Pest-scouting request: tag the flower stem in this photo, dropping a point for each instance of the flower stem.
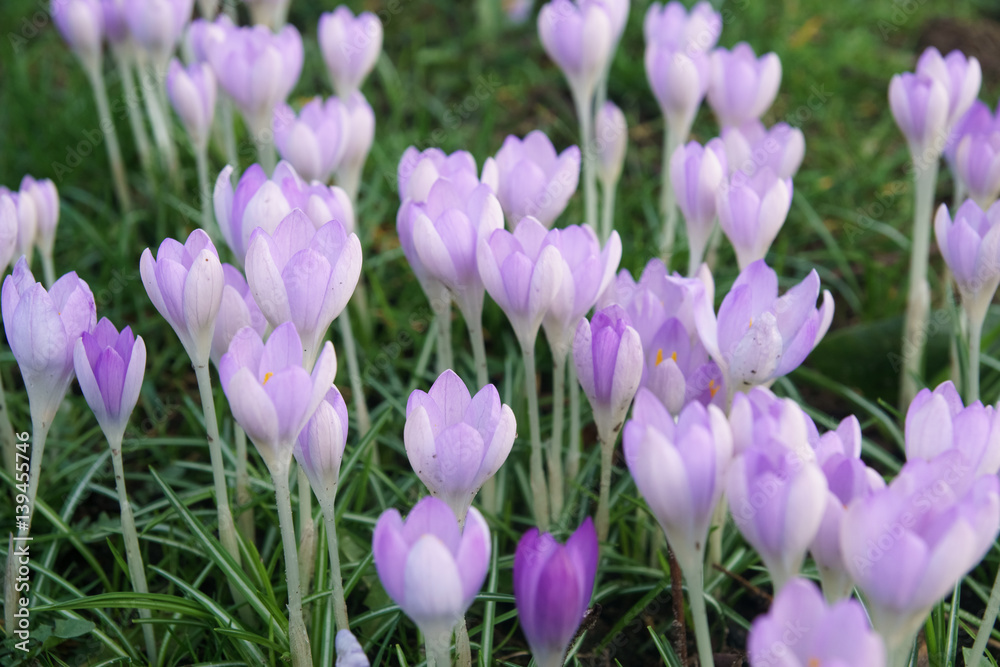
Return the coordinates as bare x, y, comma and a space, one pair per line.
339, 602
297, 637
159, 119
608, 441
307, 531
39, 434
585, 114
133, 555
668, 204
124, 62
475, 327
438, 646
607, 210
96, 77
463, 648
205, 192
696, 595
918, 302
245, 517
573, 456
48, 267
225, 120
555, 444
986, 627
442, 309
719, 516
264, 140
353, 370
975, 345
537, 474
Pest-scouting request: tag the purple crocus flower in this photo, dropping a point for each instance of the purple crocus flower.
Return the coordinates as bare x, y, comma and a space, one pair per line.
429, 566
270, 393
359, 135
919, 103
114, 24
204, 36
8, 231
314, 141
42, 328
319, 449
303, 275
801, 630
521, 273
257, 69
960, 76
579, 39
742, 86
978, 120
680, 469
752, 146
611, 137
157, 25
757, 336
535, 181
970, 246
237, 310
418, 171
696, 174
759, 414
456, 441
752, 210
907, 545
671, 25
27, 222
45, 198
938, 421
589, 270
777, 495
192, 93
350, 45
349, 651
81, 24
110, 367
976, 164
553, 584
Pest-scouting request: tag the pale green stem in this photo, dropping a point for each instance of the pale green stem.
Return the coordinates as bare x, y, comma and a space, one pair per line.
607, 210
696, 595
124, 62
438, 647
7, 434
339, 602
607, 441
918, 303
263, 137
225, 120
133, 555
712, 254
478, 351
486, 17
96, 77
696, 254
585, 114
555, 444
39, 434
463, 647
307, 531
205, 192
357, 389
48, 267
975, 345
227, 529
298, 639
668, 203
349, 178
244, 519
442, 308
574, 454
159, 119
989, 620
537, 474
719, 516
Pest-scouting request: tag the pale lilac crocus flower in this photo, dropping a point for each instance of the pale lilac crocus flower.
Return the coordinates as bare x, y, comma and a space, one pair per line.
742, 85
752, 210
938, 421
534, 180
314, 140
697, 173
351, 46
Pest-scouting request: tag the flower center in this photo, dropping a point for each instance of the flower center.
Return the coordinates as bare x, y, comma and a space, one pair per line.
659, 357
267, 376
712, 389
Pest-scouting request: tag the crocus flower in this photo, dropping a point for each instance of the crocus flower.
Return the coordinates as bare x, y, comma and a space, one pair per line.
418, 171
80, 22
27, 222
752, 210
319, 449
588, 271
303, 275
8, 231
185, 283
349, 651
534, 180
978, 120
679, 81
360, 135
919, 103
429, 566
977, 166
777, 496
553, 584
757, 336
907, 545
680, 469
45, 198
960, 76
455, 441
521, 273
607, 353
611, 137
110, 366
258, 69
752, 146
759, 414
970, 246
938, 421
672, 26
237, 310
203, 36
579, 39
192, 92
314, 141
696, 174
800, 629
115, 25
350, 45
42, 328
742, 86
157, 25
271, 395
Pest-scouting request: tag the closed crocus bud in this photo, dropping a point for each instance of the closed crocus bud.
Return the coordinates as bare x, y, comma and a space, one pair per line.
938, 421
757, 336
553, 584
672, 26
350, 45
8, 231
319, 449
185, 284
455, 441
752, 210
418, 171
258, 69
977, 166
919, 103
157, 25
907, 545
360, 135
314, 141
192, 92
680, 469
237, 310
696, 174
431, 567
270, 393
607, 353
80, 22
679, 80
617, 11
611, 136
45, 198
978, 120
590, 269
801, 629
534, 180
970, 245
579, 39
109, 367
742, 86
777, 496
521, 274
303, 275
752, 146
349, 651
203, 36
960, 76
27, 222
42, 329
760, 411
115, 25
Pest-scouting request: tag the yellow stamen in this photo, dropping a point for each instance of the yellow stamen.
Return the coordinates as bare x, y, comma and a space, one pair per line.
659, 357
673, 355
751, 324
814, 662
712, 389
267, 376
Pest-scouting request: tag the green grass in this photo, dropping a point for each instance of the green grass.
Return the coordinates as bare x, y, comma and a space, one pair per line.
437, 85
